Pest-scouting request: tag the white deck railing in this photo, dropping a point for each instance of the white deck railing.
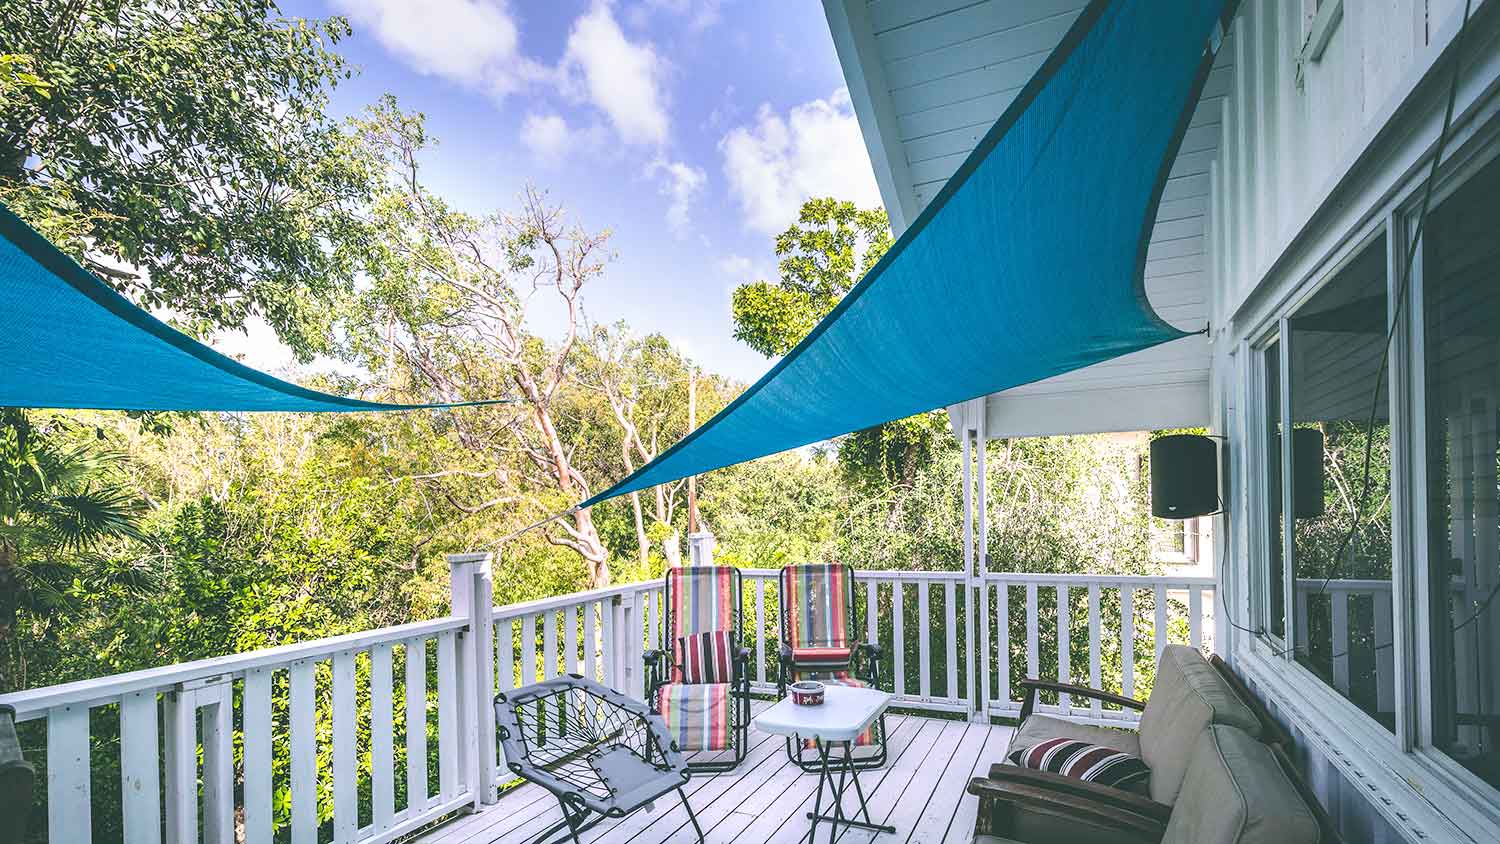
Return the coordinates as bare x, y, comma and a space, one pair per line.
269, 738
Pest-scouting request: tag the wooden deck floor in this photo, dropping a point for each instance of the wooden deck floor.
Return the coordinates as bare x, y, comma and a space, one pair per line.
920, 791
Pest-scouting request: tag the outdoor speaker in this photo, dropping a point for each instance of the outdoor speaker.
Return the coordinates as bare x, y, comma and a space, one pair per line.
1307, 473
1184, 476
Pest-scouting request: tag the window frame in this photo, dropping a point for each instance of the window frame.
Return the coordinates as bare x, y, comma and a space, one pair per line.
1410, 753
1420, 743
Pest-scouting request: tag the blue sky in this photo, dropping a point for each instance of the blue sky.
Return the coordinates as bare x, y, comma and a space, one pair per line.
692, 129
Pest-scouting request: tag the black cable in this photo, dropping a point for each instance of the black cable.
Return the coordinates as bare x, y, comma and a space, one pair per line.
1401, 291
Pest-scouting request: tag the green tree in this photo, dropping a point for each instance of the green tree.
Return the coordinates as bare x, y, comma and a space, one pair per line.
181, 151
820, 259
58, 502
445, 317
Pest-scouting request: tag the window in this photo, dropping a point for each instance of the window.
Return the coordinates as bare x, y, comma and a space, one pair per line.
1340, 485
1461, 337
1275, 585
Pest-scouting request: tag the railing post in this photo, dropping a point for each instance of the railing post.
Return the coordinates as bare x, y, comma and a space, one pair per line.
701, 548
473, 598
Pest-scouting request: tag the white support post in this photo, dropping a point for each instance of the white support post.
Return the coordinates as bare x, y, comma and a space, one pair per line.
979, 662
473, 598
701, 548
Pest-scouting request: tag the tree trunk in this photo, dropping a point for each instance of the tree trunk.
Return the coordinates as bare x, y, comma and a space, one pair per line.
595, 555
643, 543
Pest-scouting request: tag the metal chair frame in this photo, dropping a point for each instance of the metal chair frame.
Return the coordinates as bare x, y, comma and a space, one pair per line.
557, 734
659, 667
870, 674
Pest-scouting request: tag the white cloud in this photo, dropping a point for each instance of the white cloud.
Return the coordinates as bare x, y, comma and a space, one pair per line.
680, 182
551, 140
779, 161
622, 78
698, 14
737, 267
473, 42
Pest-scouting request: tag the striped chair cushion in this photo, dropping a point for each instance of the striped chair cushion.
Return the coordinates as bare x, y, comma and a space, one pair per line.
706, 657
703, 599
834, 657
871, 735
818, 615
1079, 759
697, 716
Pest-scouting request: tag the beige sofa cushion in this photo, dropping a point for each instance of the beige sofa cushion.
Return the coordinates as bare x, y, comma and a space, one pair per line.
1188, 695
1236, 793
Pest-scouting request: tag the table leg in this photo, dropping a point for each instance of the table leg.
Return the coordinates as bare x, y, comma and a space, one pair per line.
847, 771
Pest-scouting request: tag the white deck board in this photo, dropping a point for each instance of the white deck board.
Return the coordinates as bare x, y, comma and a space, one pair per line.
920, 790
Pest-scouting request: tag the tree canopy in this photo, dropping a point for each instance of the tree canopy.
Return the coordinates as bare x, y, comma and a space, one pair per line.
181, 150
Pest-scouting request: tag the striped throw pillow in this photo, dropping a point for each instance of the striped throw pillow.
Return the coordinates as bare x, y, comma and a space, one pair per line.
706, 657
1088, 762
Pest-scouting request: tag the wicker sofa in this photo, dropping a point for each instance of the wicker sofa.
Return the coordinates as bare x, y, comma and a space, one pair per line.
1215, 779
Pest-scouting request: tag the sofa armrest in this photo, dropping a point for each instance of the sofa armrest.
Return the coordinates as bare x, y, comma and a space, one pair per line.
1103, 794
1003, 795
1033, 685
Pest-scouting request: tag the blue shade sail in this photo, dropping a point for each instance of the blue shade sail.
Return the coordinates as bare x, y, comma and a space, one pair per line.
69, 341
1028, 264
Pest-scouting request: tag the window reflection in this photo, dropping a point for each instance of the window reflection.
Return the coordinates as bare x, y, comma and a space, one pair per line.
1341, 533
1461, 310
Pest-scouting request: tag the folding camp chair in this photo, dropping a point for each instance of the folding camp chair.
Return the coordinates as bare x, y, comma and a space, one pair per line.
600, 753
699, 680
819, 642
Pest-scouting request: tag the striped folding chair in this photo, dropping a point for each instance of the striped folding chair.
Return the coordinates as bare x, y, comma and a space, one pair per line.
699, 680
819, 641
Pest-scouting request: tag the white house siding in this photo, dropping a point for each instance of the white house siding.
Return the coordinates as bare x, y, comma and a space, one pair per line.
1307, 173
928, 78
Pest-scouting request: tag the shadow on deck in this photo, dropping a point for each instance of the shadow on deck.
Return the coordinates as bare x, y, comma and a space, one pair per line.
920, 791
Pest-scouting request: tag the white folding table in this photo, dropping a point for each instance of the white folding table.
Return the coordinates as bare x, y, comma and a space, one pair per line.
846, 712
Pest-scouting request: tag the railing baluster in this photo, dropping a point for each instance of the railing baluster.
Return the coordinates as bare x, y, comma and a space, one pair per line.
1064, 646
898, 636
549, 645
416, 725
528, 650
950, 611
573, 664
1127, 640
1033, 647
345, 774
505, 652
608, 653
382, 739
924, 641
68, 807
1385, 655
1341, 641
304, 740
1094, 646
447, 665
1195, 616
872, 611
1160, 626
760, 630
218, 763
591, 640
180, 721
1002, 640
140, 776
653, 636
